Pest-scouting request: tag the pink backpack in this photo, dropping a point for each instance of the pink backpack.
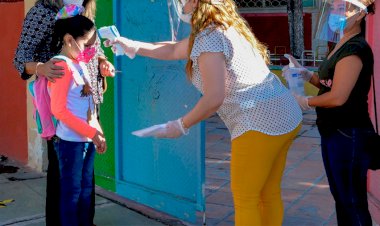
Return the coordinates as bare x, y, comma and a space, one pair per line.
46, 122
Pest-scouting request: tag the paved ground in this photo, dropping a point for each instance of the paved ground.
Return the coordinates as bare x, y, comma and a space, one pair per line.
28, 192
305, 190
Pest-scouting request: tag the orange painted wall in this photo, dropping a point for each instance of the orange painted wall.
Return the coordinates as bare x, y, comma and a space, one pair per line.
13, 120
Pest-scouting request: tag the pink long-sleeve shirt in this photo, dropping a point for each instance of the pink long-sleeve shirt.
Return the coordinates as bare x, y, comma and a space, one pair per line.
70, 107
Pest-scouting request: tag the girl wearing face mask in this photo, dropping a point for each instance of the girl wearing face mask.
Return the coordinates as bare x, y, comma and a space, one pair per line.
343, 120
78, 130
259, 112
34, 57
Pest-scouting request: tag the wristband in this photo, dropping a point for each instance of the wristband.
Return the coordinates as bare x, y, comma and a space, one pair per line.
184, 130
36, 72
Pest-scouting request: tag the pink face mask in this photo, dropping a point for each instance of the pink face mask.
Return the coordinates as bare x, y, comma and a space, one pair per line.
86, 54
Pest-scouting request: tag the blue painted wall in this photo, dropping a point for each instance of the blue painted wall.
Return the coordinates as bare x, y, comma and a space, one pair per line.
166, 174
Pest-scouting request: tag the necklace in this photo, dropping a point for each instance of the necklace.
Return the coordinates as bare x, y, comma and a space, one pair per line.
341, 43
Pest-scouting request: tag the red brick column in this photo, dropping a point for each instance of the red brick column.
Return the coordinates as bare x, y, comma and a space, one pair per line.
13, 120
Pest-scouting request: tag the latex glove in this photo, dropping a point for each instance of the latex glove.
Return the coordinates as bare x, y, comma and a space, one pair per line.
306, 74
303, 102
174, 129
130, 47
293, 60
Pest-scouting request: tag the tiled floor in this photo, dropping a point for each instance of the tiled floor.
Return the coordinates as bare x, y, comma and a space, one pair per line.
306, 195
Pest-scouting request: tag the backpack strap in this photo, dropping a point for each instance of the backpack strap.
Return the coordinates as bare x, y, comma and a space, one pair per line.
36, 115
78, 78
30, 88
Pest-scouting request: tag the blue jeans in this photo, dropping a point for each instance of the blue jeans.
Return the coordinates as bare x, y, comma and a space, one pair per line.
346, 163
76, 165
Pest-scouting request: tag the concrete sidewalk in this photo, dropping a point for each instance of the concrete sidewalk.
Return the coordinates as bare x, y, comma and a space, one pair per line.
306, 193
27, 188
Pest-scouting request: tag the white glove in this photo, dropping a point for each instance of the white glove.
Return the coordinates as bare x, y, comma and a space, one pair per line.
130, 47
306, 74
303, 102
293, 60
174, 129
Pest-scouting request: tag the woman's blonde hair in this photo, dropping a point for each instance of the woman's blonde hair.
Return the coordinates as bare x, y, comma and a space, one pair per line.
89, 9
89, 6
368, 2
223, 14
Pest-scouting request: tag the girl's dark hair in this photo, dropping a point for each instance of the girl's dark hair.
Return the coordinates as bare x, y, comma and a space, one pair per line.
76, 26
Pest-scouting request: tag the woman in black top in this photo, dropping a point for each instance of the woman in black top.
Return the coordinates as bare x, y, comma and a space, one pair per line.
33, 56
342, 115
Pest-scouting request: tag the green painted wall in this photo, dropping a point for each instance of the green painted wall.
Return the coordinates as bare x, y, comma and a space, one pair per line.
105, 164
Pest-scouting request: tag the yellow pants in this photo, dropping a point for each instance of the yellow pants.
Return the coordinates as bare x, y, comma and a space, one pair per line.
257, 164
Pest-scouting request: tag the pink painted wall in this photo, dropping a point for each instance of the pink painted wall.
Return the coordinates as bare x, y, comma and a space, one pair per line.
373, 36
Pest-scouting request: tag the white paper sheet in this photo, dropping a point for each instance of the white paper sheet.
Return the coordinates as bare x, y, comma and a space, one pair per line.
150, 131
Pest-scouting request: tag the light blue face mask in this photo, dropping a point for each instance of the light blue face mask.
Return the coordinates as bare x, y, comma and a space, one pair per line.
337, 23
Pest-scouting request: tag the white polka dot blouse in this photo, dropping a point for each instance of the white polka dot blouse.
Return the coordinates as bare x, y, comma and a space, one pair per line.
255, 98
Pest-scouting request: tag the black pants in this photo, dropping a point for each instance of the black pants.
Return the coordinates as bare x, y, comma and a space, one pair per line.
346, 163
52, 189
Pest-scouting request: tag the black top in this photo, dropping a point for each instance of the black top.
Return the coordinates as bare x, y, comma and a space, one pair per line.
36, 37
353, 113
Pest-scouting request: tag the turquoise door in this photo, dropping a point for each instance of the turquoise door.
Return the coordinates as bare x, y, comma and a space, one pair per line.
165, 174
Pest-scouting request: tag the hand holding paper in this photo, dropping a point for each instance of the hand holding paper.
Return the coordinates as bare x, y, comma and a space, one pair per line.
171, 129
150, 131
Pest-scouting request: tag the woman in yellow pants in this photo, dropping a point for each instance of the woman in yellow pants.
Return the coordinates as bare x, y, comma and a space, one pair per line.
257, 163
227, 64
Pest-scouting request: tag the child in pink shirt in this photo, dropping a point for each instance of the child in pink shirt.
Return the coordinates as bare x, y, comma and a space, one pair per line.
78, 130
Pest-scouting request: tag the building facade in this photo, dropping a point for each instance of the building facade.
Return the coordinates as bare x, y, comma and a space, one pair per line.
20, 141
